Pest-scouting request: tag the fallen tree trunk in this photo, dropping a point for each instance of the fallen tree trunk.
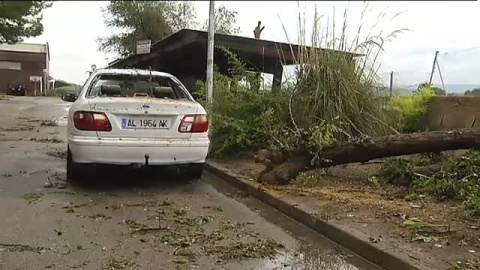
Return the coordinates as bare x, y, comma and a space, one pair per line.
378, 147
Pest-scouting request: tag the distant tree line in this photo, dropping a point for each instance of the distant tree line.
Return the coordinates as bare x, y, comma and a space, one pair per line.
473, 92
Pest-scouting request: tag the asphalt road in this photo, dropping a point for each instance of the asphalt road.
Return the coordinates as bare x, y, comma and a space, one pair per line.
133, 218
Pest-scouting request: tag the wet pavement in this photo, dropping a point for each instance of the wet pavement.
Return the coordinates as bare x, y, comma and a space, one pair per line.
133, 219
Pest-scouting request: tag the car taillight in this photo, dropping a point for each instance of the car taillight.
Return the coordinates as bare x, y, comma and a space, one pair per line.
197, 123
91, 121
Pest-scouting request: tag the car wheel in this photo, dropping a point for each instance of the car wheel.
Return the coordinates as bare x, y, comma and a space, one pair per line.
195, 170
74, 171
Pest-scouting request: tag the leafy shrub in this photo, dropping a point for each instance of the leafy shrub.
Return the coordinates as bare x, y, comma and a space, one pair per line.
426, 159
57, 92
437, 187
409, 111
397, 171
310, 179
458, 179
241, 116
333, 96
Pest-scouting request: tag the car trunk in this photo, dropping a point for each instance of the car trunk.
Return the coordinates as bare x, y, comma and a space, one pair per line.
140, 117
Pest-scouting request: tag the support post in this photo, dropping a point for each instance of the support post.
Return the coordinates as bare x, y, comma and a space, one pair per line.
433, 68
277, 76
210, 47
391, 84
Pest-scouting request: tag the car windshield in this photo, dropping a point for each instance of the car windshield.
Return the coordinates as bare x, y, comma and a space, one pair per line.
119, 85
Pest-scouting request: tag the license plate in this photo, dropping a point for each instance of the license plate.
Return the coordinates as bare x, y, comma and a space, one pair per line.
131, 123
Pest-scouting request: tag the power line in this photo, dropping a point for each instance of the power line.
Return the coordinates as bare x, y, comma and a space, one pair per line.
460, 50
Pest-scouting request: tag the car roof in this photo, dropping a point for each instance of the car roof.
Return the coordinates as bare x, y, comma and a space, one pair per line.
131, 71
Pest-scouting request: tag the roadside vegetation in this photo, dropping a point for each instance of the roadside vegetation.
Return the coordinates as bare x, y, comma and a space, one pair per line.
332, 99
59, 91
456, 178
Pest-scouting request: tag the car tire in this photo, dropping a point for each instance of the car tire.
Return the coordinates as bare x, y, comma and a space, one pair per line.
195, 170
74, 172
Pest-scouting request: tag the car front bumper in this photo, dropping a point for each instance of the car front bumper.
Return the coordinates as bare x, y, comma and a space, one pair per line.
128, 151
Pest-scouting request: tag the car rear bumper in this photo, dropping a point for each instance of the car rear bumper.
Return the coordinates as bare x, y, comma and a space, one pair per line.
128, 151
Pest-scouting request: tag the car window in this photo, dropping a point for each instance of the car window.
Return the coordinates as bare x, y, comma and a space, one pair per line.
136, 85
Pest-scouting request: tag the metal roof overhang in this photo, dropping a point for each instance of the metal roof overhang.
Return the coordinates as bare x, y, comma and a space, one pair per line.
260, 54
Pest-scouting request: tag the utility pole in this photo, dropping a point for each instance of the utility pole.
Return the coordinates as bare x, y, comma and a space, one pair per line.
391, 84
433, 68
441, 78
210, 47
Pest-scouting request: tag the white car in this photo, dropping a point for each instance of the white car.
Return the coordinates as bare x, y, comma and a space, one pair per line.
135, 117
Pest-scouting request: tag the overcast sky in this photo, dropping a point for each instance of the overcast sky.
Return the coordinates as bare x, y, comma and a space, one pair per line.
72, 27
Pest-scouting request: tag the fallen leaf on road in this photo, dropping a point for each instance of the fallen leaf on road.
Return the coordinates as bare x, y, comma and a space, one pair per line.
32, 197
415, 205
214, 207
114, 264
374, 239
48, 184
413, 223
182, 261
425, 239
21, 248
58, 154
47, 140
48, 123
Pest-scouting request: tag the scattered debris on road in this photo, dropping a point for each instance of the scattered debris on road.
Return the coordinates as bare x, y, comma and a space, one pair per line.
19, 128
58, 154
254, 250
114, 264
47, 140
48, 123
21, 248
33, 196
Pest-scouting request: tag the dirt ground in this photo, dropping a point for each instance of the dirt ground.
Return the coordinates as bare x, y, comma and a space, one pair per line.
133, 219
346, 198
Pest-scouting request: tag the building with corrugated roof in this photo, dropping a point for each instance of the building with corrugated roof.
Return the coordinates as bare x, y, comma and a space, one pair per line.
184, 54
27, 64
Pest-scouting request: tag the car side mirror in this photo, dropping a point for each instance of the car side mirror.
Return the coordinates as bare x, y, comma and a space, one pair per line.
69, 97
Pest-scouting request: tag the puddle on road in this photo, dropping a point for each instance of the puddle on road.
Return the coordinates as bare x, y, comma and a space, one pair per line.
303, 259
309, 260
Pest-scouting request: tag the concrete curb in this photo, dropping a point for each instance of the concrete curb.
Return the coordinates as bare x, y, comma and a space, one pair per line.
359, 246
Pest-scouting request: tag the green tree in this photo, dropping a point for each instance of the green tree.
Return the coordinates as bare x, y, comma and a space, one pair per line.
19, 19
138, 20
62, 83
181, 15
473, 92
437, 90
225, 22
